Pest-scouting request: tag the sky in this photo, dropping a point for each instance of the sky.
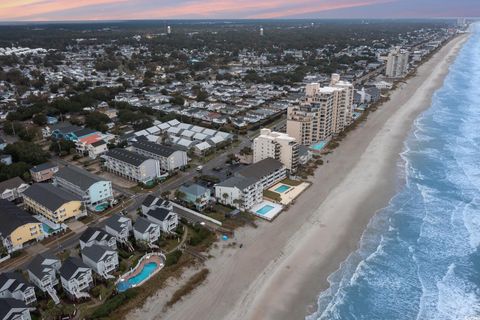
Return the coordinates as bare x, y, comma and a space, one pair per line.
61, 10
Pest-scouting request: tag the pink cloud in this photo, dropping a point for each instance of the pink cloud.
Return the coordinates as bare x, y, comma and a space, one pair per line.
158, 9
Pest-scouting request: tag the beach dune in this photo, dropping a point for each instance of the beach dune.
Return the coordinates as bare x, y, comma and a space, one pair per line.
283, 265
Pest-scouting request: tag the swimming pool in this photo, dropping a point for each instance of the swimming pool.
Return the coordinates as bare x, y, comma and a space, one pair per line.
147, 271
47, 229
318, 146
282, 188
265, 209
101, 207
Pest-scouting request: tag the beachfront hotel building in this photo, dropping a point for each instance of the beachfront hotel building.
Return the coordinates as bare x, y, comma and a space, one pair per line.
245, 188
96, 193
323, 113
397, 63
53, 203
276, 145
132, 165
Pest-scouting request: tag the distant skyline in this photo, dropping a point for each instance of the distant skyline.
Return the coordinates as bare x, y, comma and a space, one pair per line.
62, 10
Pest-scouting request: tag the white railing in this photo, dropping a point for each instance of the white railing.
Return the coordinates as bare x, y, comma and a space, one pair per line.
53, 294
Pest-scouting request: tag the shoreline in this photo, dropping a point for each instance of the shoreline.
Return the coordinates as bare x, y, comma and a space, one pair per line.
284, 265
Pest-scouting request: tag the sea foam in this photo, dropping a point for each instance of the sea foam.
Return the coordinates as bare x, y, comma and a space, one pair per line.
419, 257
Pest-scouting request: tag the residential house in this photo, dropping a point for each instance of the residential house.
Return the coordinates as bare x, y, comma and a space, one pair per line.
196, 195
95, 192
170, 158
53, 203
43, 172
93, 145
12, 189
17, 227
146, 230
152, 202
59, 130
102, 259
42, 272
13, 285
132, 166
76, 278
119, 226
13, 309
94, 235
167, 220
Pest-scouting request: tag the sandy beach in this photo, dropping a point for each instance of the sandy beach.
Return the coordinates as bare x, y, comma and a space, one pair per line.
284, 265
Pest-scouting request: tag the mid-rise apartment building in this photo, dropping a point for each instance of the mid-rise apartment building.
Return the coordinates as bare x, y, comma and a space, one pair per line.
170, 158
276, 145
132, 165
53, 203
96, 193
245, 188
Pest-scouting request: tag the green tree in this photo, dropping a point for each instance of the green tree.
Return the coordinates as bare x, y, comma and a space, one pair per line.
27, 152
40, 119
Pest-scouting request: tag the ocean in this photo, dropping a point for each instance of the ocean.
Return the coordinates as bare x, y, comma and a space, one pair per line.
419, 257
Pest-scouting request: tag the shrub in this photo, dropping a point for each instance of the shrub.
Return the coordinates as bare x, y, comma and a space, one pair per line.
113, 303
172, 258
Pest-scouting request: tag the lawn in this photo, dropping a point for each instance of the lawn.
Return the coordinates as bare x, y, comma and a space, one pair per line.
291, 182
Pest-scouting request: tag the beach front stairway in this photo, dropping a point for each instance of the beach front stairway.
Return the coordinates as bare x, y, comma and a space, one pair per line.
128, 245
53, 294
107, 276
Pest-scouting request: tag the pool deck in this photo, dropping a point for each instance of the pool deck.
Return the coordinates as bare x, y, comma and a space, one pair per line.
270, 215
139, 267
289, 195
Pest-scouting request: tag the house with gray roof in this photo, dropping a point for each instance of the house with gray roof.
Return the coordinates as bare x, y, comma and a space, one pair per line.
95, 192
12, 189
102, 259
13, 309
76, 278
119, 226
146, 230
132, 165
167, 220
42, 272
94, 235
152, 202
43, 172
195, 194
13, 285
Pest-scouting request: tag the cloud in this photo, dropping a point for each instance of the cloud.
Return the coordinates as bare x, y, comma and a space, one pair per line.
225, 9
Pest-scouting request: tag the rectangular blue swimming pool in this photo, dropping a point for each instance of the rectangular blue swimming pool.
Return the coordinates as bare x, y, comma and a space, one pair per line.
318, 146
282, 188
265, 209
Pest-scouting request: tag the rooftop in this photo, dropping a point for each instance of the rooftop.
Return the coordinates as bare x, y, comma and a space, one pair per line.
127, 156
49, 196
156, 148
78, 177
